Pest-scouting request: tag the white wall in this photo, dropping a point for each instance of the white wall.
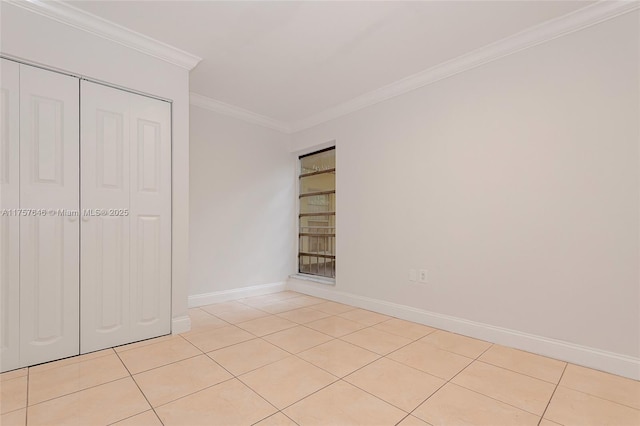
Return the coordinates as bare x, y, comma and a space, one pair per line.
516, 184
34, 38
242, 197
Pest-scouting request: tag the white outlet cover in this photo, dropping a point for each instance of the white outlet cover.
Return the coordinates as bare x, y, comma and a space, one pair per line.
413, 275
423, 276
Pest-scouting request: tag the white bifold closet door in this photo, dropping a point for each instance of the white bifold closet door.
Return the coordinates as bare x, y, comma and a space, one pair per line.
9, 225
49, 245
126, 224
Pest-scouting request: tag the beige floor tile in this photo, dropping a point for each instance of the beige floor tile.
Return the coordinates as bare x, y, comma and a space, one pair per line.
408, 329
546, 422
533, 365
607, 386
297, 339
287, 381
219, 308
100, 405
333, 308
13, 374
304, 301
284, 295
431, 359
282, 306
70, 360
13, 394
399, 385
277, 419
148, 418
159, 354
412, 421
335, 326
377, 341
219, 338
457, 343
338, 357
454, 405
569, 407
173, 381
147, 342
241, 315
507, 386
303, 315
343, 404
246, 356
258, 301
55, 382
364, 317
203, 321
197, 313
266, 325
14, 418
228, 403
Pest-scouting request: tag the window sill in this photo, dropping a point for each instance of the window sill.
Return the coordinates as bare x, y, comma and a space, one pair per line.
314, 278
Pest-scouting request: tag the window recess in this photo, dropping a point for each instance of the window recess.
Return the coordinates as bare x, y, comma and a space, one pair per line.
317, 215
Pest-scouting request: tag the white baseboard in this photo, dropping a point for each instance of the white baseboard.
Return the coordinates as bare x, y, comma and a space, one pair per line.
599, 359
180, 324
236, 293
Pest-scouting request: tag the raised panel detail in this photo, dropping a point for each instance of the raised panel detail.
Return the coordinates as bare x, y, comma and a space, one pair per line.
148, 156
5, 149
109, 276
48, 138
48, 285
148, 258
109, 155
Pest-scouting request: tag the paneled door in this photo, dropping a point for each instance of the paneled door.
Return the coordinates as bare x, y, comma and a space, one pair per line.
126, 222
9, 220
104, 272
150, 136
49, 244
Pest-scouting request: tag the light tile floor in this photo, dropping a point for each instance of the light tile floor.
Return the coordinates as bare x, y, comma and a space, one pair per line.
288, 358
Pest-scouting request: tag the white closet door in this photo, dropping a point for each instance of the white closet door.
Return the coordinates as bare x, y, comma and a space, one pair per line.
126, 260
9, 225
150, 217
49, 254
105, 182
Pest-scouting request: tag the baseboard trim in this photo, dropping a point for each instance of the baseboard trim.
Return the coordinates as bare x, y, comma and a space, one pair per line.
236, 293
180, 324
610, 362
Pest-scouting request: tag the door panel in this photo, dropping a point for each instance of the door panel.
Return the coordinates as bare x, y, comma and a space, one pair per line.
49, 244
9, 225
150, 217
105, 304
125, 266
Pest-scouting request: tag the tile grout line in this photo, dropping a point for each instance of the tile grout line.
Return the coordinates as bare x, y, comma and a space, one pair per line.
341, 379
552, 394
520, 372
379, 356
341, 339
143, 394
445, 383
129, 417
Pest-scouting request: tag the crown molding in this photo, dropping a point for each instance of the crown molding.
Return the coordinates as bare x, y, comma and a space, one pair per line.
237, 112
541, 33
85, 21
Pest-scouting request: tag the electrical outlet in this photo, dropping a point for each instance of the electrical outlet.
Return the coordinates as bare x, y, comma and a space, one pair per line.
413, 276
422, 276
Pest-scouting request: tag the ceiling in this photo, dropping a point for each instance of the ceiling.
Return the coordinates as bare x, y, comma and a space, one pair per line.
292, 60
